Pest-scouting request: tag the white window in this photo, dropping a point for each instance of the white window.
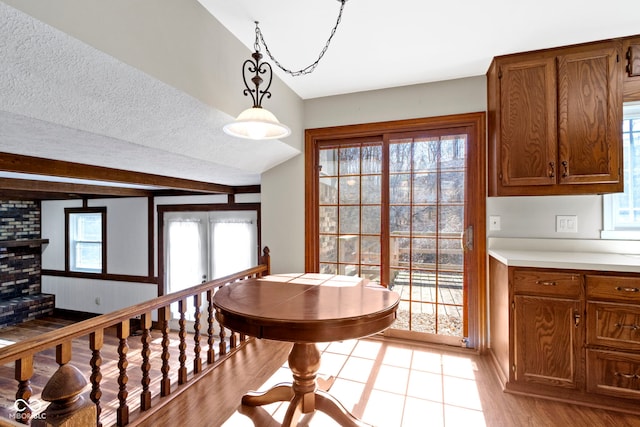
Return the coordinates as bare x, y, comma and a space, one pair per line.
85, 240
622, 210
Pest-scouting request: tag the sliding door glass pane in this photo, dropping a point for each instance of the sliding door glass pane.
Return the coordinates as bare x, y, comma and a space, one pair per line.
426, 219
350, 220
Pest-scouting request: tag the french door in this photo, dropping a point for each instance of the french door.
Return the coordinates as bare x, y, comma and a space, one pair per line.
403, 208
206, 245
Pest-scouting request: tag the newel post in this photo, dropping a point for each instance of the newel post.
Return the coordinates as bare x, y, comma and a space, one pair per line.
68, 407
265, 259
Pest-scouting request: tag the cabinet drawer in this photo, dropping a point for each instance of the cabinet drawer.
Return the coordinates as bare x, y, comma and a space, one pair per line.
613, 288
547, 283
613, 325
613, 374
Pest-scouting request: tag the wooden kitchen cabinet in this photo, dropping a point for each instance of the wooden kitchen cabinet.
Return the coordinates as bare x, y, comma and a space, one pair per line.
566, 335
547, 328
554, 121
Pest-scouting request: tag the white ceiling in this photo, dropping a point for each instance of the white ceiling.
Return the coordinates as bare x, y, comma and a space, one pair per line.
54, 102
382, 43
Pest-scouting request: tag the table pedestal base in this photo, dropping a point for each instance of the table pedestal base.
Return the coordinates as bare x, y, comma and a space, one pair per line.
303, 394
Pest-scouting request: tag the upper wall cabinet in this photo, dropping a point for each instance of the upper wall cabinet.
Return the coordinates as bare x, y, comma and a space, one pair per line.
555, 121
631, 50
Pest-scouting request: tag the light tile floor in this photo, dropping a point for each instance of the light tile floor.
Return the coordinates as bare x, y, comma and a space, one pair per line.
385, 385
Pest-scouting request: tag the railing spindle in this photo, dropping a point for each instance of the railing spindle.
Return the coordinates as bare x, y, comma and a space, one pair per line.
233, 340
163, 320
197, 361
96, 341
123, 348
145, 395
223, 344
23, 374
182, 334
211, 354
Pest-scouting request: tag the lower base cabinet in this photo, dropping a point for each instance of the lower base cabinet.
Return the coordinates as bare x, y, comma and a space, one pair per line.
572, 336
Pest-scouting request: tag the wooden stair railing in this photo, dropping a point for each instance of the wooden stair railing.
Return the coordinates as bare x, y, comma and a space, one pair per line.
22, 354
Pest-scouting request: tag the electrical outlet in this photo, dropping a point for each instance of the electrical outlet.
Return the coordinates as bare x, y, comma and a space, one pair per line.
566, 223
494, 223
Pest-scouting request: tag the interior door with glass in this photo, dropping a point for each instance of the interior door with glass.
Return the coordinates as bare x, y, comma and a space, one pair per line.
186, 255
206, 245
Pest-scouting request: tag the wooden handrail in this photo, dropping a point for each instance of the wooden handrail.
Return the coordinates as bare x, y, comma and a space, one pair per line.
53, 338
23, 352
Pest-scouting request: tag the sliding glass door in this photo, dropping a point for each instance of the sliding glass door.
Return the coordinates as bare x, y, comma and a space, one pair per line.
396, 208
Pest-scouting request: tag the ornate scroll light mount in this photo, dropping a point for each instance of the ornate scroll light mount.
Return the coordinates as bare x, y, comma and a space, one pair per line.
257, 122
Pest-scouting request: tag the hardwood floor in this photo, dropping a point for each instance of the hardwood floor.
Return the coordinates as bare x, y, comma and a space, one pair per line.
384, 382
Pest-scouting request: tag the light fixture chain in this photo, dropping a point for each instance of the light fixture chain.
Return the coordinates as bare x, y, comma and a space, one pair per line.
308, 69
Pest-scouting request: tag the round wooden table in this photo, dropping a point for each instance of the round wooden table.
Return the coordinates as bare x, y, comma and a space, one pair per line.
305, 309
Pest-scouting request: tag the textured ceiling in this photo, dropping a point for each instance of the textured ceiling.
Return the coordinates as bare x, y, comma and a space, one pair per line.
64, 100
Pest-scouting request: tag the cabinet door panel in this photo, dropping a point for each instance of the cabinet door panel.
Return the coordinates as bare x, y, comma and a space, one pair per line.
528, 123
589, 116
547, 337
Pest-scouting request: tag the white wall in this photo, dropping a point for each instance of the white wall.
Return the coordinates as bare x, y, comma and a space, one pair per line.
127, 235
535, 216
127, 254
96, 296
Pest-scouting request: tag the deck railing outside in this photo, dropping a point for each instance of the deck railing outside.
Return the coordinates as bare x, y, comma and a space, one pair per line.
92, 331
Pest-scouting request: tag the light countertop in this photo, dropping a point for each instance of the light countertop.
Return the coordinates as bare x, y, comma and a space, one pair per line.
617, 256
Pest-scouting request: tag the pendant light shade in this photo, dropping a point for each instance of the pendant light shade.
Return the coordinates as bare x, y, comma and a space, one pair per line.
257, 123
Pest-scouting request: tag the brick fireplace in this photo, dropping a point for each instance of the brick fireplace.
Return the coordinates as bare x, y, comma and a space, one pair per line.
21, 298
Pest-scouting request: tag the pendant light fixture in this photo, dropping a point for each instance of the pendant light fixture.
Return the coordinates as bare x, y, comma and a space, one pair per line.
258, 122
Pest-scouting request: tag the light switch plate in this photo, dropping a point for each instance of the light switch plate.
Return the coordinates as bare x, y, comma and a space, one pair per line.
566, 223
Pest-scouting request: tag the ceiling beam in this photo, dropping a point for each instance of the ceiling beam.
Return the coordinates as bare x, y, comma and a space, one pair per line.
71, 190
36, 165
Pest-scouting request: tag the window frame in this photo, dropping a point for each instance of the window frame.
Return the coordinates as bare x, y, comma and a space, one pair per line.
102, 210
610, 229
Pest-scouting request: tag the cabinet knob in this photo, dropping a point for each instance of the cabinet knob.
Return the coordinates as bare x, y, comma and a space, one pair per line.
552, 169
565, 169
576, 319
